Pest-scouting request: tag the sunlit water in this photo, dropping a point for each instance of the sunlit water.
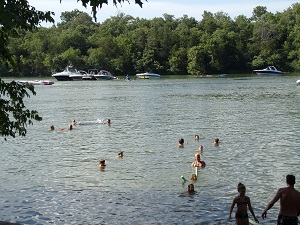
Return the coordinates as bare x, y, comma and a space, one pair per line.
51, 177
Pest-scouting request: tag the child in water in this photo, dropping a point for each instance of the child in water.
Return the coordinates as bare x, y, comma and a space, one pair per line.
191, 189
120, 154
243, 203
181, 143
216, 141
193, 177
102, 164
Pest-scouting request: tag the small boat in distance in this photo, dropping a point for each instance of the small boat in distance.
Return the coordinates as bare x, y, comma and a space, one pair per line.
147, 75
36, 82
104, 75
270, 70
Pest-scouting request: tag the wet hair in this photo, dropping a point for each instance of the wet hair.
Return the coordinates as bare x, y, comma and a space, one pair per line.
241, 186
290, 179
181, 141
193, 177
190, 186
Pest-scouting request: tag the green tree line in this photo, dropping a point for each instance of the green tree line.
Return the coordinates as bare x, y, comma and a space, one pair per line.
126, 45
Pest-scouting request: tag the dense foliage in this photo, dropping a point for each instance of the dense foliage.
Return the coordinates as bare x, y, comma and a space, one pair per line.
167, 45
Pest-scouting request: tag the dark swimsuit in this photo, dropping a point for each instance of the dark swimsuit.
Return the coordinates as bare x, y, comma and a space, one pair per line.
238, 215
287, 220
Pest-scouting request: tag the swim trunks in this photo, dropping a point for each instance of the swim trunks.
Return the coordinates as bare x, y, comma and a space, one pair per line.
241, 216
287, 220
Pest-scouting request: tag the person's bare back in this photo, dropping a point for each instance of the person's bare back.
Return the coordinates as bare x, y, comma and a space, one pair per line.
289, 201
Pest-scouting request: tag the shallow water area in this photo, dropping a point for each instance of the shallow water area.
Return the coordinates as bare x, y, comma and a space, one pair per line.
51, 177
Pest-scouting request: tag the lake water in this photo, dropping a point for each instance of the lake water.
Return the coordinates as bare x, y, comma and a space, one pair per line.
51, 177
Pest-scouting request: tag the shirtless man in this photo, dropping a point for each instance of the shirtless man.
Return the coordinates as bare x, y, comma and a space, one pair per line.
289, 203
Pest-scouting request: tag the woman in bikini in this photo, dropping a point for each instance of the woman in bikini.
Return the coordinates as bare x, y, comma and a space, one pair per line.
243, 203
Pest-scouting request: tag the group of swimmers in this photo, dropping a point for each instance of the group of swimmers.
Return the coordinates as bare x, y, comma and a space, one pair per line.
74, 123
198, 163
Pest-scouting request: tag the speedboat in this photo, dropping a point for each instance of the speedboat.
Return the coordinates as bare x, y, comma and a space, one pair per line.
90, 75
147, 75
270, 70
104, 75
36, 82
79, 75
65, 75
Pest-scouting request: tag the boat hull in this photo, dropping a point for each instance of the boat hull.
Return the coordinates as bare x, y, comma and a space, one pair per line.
36, 82
270, 70
268, 73
104, 77
147, 75
63, 77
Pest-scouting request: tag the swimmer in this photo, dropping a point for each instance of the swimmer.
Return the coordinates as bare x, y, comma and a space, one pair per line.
52, 127
74, 122
216, 141
102, 164
196, 137
243, 204
120, 154
198, 162
181, 143
191, 189
193, 177
108, 121
200, 149
69, 128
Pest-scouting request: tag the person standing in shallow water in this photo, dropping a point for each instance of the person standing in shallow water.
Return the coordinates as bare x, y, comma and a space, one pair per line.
289, 203
243, 203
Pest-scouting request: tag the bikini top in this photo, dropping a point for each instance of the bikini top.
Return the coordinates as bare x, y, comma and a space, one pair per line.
240, 202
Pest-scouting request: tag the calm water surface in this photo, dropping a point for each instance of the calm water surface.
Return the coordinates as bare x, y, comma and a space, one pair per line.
51, 177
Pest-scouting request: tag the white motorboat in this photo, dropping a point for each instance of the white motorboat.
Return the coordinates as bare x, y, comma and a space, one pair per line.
270, 70
65, 75
90, 75
36, 82
104, 75
147, 75
79, 75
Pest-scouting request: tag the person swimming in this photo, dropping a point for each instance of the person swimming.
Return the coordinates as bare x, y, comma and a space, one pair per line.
200, 149
193, 177
197, 137
181, 143
191, 189
52, 127
120, 154
216, 141
102, 164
